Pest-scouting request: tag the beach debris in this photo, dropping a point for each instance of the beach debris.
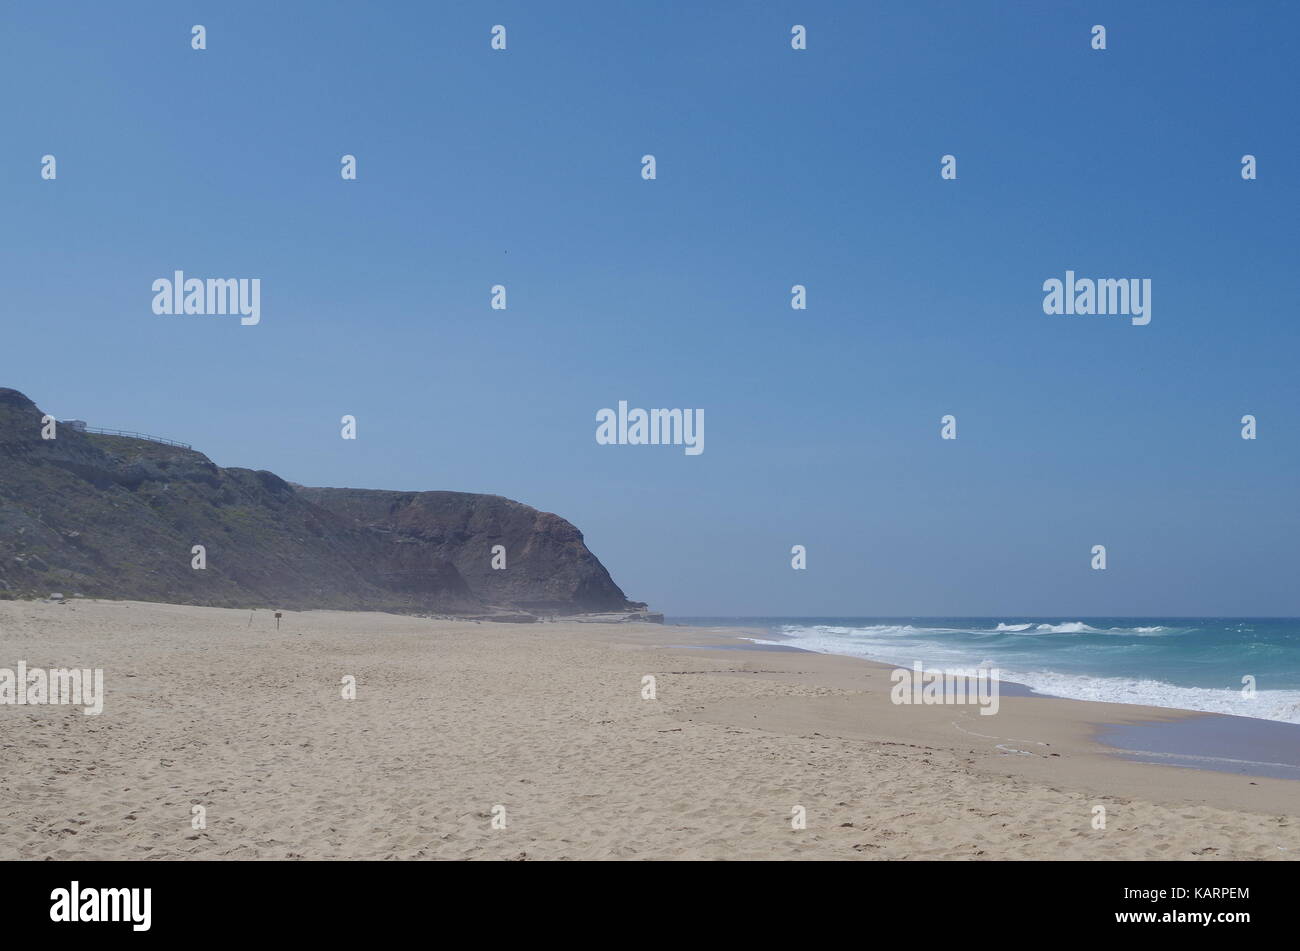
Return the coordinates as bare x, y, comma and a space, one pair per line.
985, 736
1011, 749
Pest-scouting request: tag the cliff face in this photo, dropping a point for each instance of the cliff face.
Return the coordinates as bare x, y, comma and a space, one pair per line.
113, 517
548, 567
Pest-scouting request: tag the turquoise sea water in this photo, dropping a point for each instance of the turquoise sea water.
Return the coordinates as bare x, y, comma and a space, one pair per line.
1183, 663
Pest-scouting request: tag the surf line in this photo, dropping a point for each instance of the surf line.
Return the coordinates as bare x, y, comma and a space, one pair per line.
1202, 758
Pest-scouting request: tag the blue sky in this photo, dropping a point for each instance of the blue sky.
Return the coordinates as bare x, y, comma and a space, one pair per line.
775, 167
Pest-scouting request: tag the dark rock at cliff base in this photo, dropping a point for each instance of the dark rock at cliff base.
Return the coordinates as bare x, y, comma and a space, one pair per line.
118, 517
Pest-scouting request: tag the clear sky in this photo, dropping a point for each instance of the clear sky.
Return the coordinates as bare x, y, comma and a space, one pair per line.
775, 167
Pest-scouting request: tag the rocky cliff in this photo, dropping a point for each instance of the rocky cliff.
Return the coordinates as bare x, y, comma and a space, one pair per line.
116, 517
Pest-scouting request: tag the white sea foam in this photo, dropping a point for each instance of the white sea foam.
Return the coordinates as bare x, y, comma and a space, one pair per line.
1071, 627
1075, 627
1266, 704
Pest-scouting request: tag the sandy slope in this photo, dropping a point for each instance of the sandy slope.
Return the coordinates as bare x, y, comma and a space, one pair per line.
452, 719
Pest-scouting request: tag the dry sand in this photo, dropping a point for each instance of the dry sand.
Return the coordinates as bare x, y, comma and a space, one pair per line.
454, 718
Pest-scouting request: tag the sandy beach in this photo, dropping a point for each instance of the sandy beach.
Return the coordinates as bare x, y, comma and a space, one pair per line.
216, 708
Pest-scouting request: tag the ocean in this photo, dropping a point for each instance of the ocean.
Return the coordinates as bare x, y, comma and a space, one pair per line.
1181, 663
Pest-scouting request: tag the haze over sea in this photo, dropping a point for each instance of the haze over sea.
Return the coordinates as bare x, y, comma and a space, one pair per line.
1181, 663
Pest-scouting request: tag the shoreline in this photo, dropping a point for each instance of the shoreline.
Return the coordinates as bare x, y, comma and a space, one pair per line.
1194, 739
1177, 664
549, 722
